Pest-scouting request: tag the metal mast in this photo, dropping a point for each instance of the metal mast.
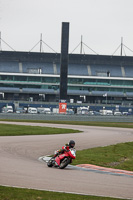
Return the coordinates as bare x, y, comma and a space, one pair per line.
121, 45
81, 47
0, 42
41, 43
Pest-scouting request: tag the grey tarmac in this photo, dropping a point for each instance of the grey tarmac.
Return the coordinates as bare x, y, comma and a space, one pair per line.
20, 167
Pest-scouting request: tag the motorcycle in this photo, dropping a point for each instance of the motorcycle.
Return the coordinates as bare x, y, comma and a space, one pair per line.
62, 160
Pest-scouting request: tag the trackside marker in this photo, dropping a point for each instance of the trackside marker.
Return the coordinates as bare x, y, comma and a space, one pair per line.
93, 168
105, 169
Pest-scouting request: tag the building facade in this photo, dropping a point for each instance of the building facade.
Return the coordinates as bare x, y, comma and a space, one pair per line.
91, 78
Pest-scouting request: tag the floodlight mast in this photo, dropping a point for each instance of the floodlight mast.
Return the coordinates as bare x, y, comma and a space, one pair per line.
121, 45
64, 60
41, 43
0, 42
81, 47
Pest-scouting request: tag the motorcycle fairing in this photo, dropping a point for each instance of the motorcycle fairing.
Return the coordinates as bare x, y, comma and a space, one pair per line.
59, 158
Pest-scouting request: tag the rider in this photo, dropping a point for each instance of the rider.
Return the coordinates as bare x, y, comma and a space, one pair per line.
66, 147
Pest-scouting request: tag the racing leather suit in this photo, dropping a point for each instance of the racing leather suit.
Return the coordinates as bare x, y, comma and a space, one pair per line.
64, 148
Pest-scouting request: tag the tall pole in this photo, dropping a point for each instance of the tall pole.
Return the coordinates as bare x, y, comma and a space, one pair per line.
81, 45
121, 45
64, 60
41, 43
0, 42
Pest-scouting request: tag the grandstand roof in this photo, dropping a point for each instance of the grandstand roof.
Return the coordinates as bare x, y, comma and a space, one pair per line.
73, 58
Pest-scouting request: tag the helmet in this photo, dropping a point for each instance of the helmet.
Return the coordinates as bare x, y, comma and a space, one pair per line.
71, 143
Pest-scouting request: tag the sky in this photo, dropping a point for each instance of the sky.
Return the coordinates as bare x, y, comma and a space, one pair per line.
101, 23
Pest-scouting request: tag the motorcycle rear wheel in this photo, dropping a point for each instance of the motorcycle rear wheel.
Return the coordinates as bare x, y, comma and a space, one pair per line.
64, 163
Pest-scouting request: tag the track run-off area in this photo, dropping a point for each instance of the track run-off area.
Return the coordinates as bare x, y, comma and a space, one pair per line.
20, 165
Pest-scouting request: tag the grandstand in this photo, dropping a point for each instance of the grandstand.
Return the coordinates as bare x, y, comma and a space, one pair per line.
28, 74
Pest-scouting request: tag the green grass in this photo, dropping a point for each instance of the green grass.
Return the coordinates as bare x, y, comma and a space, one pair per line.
17, 130
85, 123
119, 156
10, 193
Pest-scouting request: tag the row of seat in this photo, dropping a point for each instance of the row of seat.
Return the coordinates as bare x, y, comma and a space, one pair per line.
70, 92
73, 69
39, 82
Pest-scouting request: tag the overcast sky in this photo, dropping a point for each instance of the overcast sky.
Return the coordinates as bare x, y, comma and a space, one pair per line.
102, 23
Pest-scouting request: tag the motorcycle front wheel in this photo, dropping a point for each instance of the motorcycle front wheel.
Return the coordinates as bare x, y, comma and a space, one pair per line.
50, 163
64, 163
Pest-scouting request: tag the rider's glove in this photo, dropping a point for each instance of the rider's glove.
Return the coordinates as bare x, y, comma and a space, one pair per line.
66, 150
61, 150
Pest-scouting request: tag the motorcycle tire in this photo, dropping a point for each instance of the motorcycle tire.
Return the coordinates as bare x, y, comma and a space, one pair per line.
64, 163
50, 164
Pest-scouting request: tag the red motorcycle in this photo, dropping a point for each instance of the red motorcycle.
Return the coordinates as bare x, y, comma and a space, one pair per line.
62, 160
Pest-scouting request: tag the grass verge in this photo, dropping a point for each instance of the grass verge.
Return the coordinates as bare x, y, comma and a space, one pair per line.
119, 156
85, 123
18, 130
10, 193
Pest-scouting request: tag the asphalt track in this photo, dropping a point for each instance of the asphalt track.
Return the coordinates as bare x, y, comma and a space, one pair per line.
20, 167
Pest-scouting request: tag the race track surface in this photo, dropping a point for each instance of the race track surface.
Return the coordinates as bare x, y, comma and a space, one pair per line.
19, 164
